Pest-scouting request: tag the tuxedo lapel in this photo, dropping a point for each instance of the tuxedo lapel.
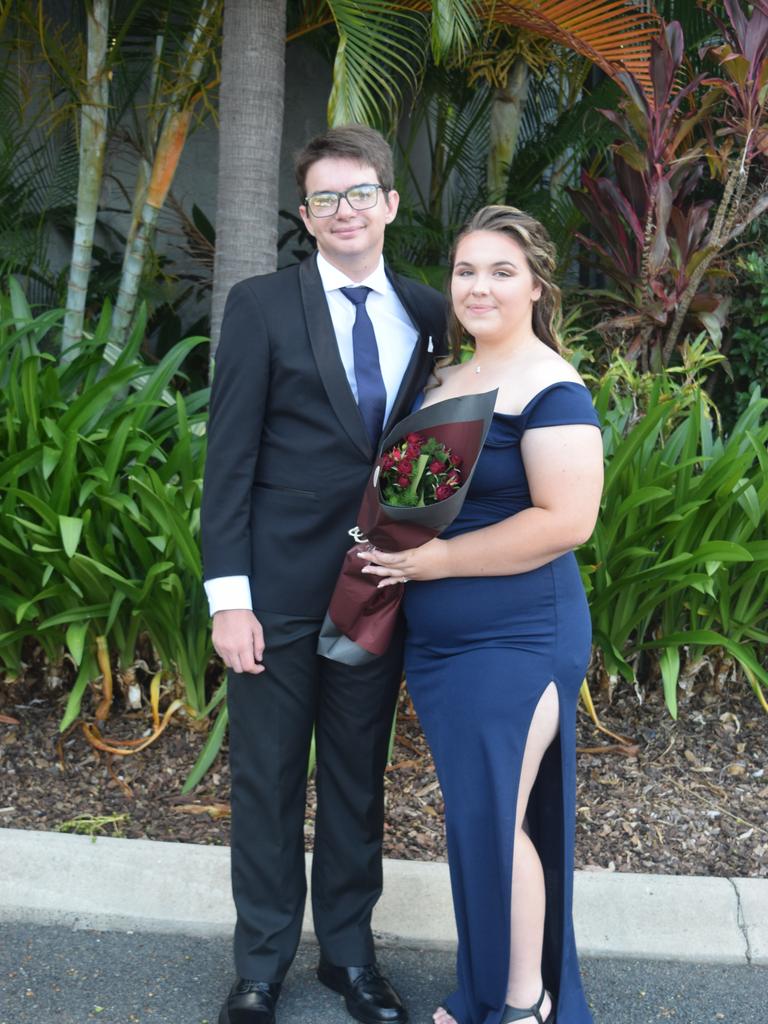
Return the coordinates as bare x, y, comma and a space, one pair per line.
326, 352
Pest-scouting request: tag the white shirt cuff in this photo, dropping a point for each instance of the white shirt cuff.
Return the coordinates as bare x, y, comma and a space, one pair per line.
227, 593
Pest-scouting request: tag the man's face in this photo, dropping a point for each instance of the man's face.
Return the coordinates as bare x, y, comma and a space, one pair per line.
349, 236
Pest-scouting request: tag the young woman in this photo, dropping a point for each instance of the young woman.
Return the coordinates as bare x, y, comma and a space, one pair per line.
499, 634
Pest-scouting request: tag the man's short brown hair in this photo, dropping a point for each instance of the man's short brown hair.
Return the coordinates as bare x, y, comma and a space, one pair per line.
355, 142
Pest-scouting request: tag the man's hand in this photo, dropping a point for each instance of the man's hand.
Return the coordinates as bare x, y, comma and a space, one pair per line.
239, 640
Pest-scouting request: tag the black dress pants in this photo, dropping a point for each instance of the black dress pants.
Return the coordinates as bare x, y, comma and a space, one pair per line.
271, 717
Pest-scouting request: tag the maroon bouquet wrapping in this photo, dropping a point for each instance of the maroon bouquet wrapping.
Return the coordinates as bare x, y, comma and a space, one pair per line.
361, 617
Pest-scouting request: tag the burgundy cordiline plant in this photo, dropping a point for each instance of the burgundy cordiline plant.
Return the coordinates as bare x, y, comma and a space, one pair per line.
657, 239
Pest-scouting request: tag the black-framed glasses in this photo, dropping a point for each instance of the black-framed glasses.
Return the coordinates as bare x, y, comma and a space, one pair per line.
359, 197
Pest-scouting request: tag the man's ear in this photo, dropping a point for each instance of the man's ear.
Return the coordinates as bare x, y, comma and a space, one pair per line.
392, 202
304, 214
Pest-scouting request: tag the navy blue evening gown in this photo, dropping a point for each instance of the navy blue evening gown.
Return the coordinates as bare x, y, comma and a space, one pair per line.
480, 652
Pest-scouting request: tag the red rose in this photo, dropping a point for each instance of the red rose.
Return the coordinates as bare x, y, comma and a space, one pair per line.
435, 466
403, 481
454, 480
442, 492
405, 467
415, 439
456, 460
413, 451
387, 462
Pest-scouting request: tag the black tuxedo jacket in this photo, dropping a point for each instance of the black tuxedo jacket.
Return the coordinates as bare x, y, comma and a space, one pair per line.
288, 453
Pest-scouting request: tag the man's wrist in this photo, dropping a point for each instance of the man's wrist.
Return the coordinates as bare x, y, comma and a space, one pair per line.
228, 593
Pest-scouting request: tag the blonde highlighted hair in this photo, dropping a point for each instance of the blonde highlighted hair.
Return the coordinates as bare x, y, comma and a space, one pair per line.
541, 256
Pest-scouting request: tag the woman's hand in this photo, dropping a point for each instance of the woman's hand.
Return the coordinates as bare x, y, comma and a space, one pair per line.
428, 562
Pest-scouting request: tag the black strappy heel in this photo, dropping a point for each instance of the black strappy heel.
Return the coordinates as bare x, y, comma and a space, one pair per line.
512, 1013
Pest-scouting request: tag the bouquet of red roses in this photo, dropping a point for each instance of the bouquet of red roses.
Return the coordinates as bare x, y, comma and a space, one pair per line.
418, 471
416, 489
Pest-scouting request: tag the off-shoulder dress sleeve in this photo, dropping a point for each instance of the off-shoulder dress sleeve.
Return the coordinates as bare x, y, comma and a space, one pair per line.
559, 404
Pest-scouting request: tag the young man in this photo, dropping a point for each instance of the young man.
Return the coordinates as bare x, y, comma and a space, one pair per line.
315, 362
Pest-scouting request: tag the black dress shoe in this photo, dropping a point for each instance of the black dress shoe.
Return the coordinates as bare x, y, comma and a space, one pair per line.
369, 996
250, 1002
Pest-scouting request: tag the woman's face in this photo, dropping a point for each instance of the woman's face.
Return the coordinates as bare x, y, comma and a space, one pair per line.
492, 287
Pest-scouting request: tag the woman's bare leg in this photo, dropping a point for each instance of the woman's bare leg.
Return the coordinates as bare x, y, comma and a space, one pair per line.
524, 983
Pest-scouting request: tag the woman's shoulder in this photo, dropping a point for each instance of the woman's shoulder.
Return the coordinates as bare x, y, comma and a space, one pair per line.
538, 377
550, 368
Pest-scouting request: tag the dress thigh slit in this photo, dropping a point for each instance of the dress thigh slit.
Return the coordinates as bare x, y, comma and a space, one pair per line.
479, 754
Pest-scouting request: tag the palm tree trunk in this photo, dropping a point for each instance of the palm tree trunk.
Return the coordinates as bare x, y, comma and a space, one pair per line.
166, 161
506, 118
726, 215
93, 139
176, 121
152, 131
250, 130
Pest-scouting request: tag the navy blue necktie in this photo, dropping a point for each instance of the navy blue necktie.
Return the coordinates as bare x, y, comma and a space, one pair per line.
371, 393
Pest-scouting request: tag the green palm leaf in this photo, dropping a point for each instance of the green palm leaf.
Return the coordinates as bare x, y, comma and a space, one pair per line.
454, 28
381, 53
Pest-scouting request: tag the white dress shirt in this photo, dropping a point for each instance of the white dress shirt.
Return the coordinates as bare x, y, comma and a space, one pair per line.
396, 338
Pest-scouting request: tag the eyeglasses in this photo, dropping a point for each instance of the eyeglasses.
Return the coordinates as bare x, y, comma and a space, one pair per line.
359, 197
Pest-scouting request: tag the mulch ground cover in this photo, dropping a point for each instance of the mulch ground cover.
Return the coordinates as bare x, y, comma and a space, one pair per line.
687, 797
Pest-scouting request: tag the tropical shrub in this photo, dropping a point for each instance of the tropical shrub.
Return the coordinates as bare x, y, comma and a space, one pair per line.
747, 341
678, 564
687, 173
100, 486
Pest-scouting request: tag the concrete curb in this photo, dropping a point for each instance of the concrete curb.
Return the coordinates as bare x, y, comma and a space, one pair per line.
138, 885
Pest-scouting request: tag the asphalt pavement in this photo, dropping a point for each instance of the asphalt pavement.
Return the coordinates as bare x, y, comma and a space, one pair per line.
128, 931
53, 974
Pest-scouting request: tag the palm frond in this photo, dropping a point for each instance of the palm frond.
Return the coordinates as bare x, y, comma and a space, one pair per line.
561, 219
695, 20
381, 53
614, 34
138, 24
466, 136
453, 120
542, 107
574, 134
554, 146
38, 176
53, 166
382, 43
306, 17
454, 29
